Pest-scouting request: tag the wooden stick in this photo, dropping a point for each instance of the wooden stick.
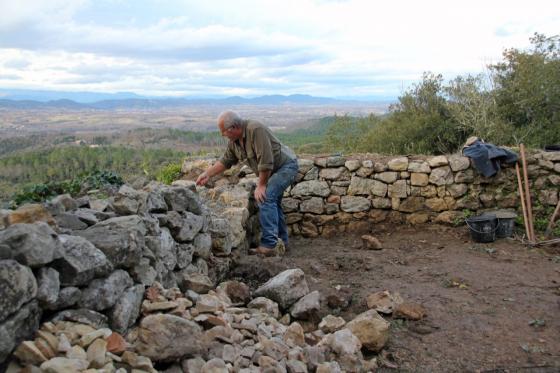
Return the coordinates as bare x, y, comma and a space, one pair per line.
549, 242
522, 197
527, 194
552, 218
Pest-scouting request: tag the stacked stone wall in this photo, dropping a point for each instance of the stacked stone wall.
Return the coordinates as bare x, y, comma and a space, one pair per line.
90, 259
336, 194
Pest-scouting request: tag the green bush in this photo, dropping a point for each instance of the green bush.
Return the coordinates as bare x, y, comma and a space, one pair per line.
169, 173
43, 191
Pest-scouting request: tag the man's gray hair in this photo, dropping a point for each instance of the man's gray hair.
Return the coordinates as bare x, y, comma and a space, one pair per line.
229, 119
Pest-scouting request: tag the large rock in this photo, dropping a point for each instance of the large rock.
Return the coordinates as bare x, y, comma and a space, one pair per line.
398, 164
155, 202
362, 186
203, 245
164, 248
126, 201
458, 162
29, 214
127, 308
166, 337
313, 205
69, 221
20, 326
17, 286
81, 261
182, 199
285, 288
307, 306
196, 282
191, 225
64, 202
104, 293
441, 176
339, 173
342, 342
48, 281
311, 188
354, 204
220, 232
371, 329
31, 244
121, 239
67, 297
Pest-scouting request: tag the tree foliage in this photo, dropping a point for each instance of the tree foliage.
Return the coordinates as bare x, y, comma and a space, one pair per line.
518, 102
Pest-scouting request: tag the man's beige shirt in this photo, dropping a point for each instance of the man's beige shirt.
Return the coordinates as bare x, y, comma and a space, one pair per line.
258, 148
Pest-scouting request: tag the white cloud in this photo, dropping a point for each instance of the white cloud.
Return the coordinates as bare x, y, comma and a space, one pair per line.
354, 47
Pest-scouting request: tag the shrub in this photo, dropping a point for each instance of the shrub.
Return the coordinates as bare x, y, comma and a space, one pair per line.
169, 173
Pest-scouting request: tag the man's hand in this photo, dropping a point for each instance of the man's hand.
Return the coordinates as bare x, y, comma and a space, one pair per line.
202, 178
260, 193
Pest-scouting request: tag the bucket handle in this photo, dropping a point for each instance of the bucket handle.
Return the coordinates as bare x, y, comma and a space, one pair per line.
474, 230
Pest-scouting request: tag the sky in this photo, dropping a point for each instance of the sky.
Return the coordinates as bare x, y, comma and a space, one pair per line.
328, 48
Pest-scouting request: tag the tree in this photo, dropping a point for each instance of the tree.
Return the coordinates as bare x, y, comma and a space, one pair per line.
527, 90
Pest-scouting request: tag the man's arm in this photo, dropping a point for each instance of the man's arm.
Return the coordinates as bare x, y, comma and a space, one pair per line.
215, 169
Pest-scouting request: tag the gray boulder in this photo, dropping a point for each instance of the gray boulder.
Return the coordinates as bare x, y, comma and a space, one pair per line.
285, 288
165, 337
144, 273
191, 225
33, 245
184, 255
64, 202
20, 326
182, 199
104, 293
81, 262
203, 245
48, 281
127, 309
68, 220
17, 286
67, 297
311, 188
155, 202
164, 248
121, 239
89, 216
126, 201
307, 306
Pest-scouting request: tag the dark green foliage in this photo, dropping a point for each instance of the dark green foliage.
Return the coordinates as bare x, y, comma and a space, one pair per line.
527, 91
80, 184
522, 105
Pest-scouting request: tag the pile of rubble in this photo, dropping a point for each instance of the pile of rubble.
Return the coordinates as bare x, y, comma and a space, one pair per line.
222, 329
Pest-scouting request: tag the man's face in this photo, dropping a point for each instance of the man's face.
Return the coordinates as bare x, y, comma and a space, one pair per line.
232, 133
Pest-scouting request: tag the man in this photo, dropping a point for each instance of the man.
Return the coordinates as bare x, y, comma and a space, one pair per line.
275, 164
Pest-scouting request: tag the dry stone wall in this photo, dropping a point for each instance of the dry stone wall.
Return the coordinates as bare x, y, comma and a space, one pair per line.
338, 194
90, 259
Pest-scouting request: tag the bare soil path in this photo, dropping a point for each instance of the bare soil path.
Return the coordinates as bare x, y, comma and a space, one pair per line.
490, 307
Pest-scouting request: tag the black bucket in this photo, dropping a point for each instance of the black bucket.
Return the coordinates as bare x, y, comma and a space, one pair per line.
483, 228
506, 222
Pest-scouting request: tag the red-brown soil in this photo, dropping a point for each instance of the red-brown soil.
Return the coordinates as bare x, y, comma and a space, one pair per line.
490, 307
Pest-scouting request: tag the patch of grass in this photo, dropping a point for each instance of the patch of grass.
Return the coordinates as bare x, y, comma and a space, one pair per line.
169, 173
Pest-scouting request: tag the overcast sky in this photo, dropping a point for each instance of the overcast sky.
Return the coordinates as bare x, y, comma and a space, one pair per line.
332, 48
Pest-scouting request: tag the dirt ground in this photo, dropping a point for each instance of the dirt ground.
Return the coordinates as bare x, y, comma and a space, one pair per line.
490, 307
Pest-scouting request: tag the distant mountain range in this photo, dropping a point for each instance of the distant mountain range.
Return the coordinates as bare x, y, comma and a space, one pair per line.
22, 99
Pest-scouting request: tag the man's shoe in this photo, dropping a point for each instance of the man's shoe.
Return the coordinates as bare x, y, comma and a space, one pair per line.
262, 251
